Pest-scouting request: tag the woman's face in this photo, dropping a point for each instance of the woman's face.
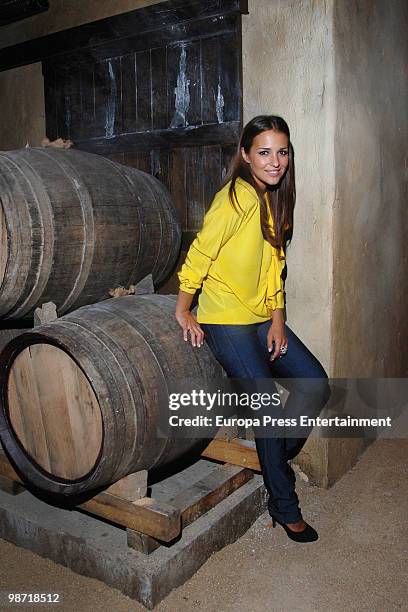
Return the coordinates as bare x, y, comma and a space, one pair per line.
268, 158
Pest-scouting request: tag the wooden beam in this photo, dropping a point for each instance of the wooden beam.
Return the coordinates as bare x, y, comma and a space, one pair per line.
173, 15
141, 542
209, 491
6, 469
10, 486
154, 518
208, 134
157, 519
10, 12
238, 452
131, 487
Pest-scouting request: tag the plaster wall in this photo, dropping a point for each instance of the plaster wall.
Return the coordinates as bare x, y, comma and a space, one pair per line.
22, 89
370, 265
288, 70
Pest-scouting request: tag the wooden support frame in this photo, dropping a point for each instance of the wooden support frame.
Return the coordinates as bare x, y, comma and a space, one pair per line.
10, 486
150, 522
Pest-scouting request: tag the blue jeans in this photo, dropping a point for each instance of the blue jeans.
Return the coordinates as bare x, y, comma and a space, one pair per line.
243, 352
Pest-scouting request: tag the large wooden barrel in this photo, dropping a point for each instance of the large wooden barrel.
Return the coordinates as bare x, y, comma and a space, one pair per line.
73, 225
8, 334
81, 396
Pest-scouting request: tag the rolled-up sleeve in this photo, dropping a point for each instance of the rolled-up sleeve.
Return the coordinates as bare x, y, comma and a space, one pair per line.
220, 223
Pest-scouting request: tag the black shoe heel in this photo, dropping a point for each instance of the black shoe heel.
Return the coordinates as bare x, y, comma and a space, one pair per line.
308, 534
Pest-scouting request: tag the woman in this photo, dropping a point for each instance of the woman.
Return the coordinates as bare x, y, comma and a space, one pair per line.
237, 259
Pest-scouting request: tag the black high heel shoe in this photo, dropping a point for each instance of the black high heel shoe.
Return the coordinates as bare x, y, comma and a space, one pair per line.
308, 534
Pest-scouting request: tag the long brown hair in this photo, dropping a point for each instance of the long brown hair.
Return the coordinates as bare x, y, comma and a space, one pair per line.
281, 199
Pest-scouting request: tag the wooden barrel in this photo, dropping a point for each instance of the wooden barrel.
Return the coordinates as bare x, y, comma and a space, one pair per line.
8, 334
73, 225
81, 397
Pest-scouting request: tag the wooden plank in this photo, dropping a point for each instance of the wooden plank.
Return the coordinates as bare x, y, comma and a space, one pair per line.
210, 77
84, 416
194, 188
160, 166
87, 89
64, 94
50, 86
131, 487
138, 159
108, 110
227, 432
211, 169
23, 391
227, 154
101, 94
193, 74
10, 486
7, 470
157, 519
117, 157
159, 88
143, 91
128, 71
224, 133
73, 103
177, 180
229, 94
176, 85
208, 492
141, 542
63, 119
238, 452
116, 94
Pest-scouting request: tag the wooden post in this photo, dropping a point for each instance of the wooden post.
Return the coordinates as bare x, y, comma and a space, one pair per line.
141, 542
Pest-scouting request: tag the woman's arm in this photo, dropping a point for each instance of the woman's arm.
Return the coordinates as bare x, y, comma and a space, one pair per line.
220, 223
276, 305
187, 320
276, 333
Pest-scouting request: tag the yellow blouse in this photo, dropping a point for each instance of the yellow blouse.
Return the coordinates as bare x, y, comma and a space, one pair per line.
239, 271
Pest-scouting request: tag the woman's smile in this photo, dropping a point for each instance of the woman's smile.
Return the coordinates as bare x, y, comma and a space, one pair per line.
268, 158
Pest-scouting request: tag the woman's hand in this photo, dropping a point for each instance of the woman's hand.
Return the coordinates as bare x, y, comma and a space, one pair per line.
189, 325
276, 334
187, 320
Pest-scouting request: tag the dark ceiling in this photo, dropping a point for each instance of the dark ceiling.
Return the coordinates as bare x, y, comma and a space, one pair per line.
15, 10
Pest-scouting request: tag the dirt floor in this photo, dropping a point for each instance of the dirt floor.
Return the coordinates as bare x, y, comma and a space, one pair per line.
358, 564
